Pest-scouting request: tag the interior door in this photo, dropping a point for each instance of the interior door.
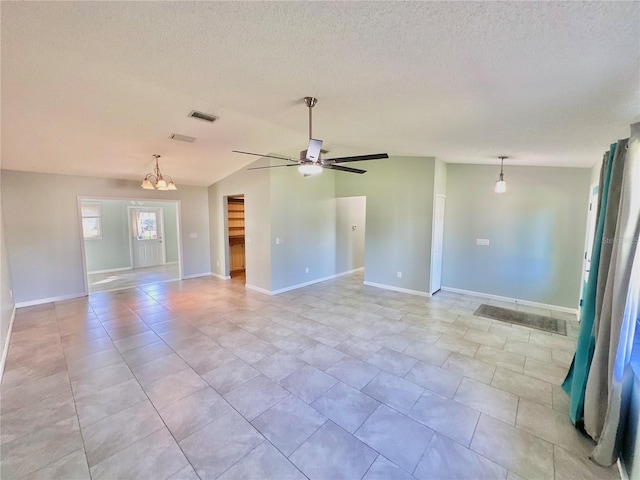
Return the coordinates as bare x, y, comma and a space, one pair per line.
147, 232
437, 242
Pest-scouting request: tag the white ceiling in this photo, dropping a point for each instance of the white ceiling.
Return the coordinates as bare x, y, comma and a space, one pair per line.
96, 88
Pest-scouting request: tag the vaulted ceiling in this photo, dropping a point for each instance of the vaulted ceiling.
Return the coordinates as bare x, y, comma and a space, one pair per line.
96, 88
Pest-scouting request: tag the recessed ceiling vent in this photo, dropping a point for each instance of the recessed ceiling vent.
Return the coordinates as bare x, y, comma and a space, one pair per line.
182, 138
203, 116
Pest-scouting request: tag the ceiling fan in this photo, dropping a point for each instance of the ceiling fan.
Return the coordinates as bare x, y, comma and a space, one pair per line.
310, 161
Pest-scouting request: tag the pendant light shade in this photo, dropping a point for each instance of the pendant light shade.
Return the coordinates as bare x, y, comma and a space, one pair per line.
157, 181
501, 185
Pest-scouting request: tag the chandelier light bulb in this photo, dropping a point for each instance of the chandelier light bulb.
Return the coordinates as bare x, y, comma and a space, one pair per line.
156, 181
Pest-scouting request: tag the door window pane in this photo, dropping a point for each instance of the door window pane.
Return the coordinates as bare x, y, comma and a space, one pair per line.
147, 226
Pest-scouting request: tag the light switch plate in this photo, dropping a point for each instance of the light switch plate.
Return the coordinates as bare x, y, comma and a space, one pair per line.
482, 241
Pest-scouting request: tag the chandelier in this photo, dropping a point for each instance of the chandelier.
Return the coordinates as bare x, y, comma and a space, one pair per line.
157, 181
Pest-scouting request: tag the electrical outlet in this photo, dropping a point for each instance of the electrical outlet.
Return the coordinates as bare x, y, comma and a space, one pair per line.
217, 263
399, 274
482, 242
277, 240
306, 270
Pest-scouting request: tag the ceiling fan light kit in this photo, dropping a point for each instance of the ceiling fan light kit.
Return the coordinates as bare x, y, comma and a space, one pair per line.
157, 181
309, 168
310, 162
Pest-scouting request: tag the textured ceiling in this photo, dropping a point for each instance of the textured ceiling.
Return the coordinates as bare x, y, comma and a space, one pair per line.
96, 88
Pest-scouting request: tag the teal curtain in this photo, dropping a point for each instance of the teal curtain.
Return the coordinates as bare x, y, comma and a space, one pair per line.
575, 383
600, 377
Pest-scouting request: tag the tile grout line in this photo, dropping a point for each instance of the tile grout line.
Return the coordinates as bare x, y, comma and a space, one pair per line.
73, 396
359, 338
146, 395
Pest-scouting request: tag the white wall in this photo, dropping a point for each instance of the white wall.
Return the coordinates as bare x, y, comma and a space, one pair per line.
536, 232
43, 229
350, 243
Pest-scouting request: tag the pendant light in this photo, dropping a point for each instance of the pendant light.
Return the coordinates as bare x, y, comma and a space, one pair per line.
156, 181
501, 185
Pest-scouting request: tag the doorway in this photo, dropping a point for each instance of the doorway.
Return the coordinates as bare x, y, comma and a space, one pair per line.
350, 233
128, 243
147, 247
236, 237
437, 242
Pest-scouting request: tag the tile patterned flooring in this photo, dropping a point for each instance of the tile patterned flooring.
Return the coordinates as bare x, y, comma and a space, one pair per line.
109, 281
205, 379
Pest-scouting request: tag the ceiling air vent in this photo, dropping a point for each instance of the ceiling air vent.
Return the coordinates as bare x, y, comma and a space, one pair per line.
203, 116
182, 138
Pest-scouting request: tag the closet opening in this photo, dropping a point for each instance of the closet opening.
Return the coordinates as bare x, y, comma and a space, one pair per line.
236, 237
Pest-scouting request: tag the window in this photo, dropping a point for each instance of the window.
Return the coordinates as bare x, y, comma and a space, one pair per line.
146, 226
91, 220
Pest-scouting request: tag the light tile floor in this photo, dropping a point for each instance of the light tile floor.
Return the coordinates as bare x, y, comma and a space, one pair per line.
205, 379
105, 282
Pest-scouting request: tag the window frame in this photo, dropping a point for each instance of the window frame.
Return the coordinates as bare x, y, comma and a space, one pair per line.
97, 217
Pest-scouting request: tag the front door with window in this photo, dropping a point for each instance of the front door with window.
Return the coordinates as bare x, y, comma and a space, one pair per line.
147, 232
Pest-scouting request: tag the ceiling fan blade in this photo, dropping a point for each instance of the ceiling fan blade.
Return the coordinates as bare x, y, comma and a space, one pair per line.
344, 169
266, 156
273, 166
357, 158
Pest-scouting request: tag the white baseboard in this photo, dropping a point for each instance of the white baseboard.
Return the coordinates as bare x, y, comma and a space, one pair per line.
5, 350
518, 301
171, 263
311, 282
398, 289
301, 285
197, 275
40, 301
221, 277
257, 289
110, 270
349, 272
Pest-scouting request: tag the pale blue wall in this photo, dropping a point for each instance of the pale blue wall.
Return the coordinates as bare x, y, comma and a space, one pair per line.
170, 219
303, 218
399, 195
255, 186
43, 234
112, 251
350, 243
6, 299
536, 232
